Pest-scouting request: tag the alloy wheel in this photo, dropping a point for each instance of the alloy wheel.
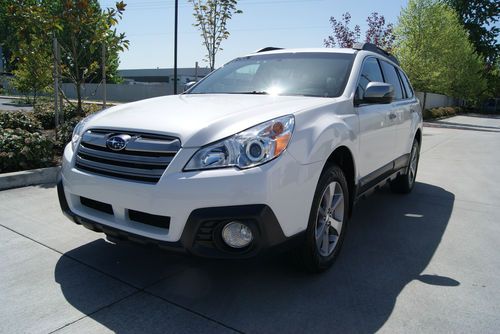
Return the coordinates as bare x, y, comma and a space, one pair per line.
330, 218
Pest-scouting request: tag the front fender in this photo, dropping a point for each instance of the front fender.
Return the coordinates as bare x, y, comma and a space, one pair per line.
320, 131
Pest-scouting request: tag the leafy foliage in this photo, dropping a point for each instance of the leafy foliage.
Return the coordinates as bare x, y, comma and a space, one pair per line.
21, 150
33, 75
378, 32
479, 18
441, 112
435, 51
65, 131
343, 36
44, 113
19, 120
81, 28
212, 17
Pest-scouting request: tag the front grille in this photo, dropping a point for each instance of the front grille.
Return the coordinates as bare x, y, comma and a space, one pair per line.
144, 158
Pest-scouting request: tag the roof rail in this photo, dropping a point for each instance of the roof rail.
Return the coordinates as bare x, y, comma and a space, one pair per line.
373, 48
268, 48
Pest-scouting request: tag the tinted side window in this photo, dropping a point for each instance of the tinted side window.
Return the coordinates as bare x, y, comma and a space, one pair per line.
391, 77
371, 73
406, 83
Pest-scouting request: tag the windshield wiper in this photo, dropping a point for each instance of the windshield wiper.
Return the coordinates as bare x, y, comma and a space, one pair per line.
254, 92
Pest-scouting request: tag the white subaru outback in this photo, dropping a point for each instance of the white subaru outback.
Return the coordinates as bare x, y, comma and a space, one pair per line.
273, 147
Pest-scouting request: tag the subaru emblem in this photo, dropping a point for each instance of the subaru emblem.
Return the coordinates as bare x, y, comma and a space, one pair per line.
118, 142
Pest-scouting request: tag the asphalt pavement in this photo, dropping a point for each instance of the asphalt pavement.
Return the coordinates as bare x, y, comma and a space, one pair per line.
420, 263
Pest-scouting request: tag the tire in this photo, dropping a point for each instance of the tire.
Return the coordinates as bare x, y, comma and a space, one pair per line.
327, 221
404, 183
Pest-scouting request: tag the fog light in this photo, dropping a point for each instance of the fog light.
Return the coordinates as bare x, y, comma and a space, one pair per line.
237, 235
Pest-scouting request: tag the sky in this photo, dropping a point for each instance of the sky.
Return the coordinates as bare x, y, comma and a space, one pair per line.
149, 26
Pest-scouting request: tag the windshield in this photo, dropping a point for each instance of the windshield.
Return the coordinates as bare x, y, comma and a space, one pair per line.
299, 74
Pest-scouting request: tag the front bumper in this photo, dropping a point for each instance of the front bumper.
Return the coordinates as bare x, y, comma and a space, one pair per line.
202, 232
274, 198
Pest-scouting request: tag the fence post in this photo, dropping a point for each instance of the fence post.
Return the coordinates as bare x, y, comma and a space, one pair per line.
56, 86
59, 76
104, 97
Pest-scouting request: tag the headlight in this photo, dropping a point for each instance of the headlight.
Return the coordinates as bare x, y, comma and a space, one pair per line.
78, 131
246, 149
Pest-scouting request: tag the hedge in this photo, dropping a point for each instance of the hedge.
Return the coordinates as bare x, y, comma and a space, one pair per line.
19, 120
441, 112
22, 150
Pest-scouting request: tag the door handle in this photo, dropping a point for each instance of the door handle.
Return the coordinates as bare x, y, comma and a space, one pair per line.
392, 116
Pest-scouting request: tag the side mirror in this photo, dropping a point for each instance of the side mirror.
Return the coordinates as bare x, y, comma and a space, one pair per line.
379, 92
189, 85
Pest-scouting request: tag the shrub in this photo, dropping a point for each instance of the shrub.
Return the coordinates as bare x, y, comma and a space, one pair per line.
441, 112
44, 113
21, 150
88, 109
19, 120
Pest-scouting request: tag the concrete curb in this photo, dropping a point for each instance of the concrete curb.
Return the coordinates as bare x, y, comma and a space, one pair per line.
29, 178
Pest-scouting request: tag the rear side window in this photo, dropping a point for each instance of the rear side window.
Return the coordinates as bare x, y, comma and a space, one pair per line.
391, 77
371, 73
406, 84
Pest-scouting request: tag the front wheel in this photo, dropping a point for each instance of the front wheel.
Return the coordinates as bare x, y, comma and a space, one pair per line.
327, 221
403, 184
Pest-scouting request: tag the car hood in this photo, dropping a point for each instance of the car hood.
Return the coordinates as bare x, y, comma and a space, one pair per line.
198, 120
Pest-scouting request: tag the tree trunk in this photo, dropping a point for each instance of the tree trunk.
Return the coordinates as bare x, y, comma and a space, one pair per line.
79, 108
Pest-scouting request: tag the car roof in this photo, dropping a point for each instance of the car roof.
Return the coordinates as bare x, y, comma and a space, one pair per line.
304, 50
365, 48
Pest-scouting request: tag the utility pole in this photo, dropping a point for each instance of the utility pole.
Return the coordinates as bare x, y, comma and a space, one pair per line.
196, 72
175, 44
104, 97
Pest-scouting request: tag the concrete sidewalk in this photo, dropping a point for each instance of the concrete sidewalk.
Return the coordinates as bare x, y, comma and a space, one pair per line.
426, 262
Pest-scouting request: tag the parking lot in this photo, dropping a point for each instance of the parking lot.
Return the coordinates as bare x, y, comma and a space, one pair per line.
421, 263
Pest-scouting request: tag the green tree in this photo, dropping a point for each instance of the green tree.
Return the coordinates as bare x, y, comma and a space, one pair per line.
479, 18
212, 17
33, 75
435, 51
81, 28
13, 29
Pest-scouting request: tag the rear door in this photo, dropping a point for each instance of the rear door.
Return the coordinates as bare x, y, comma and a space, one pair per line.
404, 131
400, 109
